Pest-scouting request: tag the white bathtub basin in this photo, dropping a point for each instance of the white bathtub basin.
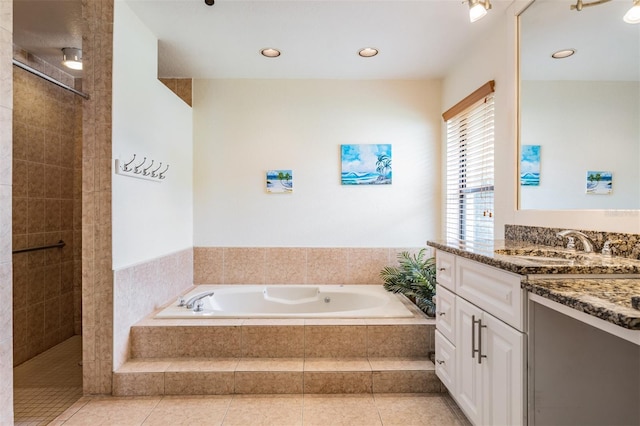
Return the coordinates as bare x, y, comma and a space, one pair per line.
291, 301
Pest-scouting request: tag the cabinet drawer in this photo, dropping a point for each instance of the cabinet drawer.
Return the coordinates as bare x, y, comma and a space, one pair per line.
445, 270
496, 291
445, 362
446, 312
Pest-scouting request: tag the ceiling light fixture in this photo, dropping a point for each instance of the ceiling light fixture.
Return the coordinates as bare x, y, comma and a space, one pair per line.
368, 52
478, 8
564, 53
270, 52
72, 58
633, 15
580, 4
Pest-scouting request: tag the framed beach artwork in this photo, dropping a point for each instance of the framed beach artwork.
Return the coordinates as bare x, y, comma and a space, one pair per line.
600, 183
279, 181
530, 165
366, 164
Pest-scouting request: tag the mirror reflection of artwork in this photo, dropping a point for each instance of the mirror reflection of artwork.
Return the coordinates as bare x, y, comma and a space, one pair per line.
530, 165
368, 164
279, 181
599, 182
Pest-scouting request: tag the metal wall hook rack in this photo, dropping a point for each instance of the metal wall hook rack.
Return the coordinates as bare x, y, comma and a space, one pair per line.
143, 170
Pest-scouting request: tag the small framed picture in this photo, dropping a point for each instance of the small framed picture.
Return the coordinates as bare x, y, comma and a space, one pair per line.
279, 181
599, 183
530, 165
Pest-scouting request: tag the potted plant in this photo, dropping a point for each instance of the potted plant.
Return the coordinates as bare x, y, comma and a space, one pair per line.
415, 277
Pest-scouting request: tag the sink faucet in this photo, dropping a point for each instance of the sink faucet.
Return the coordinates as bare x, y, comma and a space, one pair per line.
587, 244
189, 303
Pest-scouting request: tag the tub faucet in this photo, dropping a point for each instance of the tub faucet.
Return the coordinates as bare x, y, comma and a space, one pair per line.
587, 244
192, 301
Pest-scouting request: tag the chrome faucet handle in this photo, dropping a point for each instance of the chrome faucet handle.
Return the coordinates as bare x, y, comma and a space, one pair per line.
199, 305
181, 301
571, 243
606, 249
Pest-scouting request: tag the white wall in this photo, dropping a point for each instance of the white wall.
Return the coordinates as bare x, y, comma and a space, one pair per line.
581, 126
242, 128
495, 58
150, 219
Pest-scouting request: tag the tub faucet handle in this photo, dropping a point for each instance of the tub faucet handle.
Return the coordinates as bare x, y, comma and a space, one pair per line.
181, 301
199, 305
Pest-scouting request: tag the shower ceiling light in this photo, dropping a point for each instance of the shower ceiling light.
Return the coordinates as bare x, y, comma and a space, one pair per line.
72, 58
478, 8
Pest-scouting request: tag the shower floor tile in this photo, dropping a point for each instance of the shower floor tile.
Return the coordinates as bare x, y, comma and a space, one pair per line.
45, 386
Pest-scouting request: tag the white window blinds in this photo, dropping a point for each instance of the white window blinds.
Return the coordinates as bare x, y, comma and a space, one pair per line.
470, 173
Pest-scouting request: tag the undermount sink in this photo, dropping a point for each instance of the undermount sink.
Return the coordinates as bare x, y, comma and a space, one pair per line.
548, 256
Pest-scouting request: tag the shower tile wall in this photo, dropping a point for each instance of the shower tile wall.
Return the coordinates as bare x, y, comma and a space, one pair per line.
46, 208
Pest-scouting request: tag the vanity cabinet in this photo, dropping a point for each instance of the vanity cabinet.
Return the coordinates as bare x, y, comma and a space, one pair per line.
480, 343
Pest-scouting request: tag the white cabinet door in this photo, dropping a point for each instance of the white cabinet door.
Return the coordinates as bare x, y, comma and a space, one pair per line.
489, 381
446, 269
445, 312
502, 373
468, 384
446, 362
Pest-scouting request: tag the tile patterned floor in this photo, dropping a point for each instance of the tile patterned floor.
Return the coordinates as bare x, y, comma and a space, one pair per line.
267, 410
45, 386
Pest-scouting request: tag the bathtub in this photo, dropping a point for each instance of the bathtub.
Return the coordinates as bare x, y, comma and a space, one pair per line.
290, 301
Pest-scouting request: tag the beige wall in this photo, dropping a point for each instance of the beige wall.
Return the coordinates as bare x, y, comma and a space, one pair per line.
6, 106
97, 273
46, 209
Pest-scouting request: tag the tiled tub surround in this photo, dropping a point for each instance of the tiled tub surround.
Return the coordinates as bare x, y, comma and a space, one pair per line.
143, 288
292, 265
250, 356
46, 209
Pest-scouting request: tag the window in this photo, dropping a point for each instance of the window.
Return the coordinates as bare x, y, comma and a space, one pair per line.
470, 170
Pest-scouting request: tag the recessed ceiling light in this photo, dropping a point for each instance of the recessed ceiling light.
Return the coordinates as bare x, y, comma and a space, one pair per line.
368, 52
564, 53
72, 58
270, 52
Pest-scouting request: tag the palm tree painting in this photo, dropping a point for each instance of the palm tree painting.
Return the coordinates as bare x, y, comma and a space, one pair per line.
279, 181
599, 182
366, 164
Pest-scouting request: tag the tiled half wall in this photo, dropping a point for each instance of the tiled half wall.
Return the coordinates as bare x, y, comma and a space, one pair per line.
292, 265
142, 288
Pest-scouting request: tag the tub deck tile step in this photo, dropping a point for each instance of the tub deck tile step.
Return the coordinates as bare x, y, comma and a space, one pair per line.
200, 376
283, 341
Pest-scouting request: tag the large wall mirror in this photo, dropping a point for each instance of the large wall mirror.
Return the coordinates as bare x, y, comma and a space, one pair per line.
579, 116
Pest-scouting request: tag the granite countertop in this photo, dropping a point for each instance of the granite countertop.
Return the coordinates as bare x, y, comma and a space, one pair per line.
607, 298
573, 263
